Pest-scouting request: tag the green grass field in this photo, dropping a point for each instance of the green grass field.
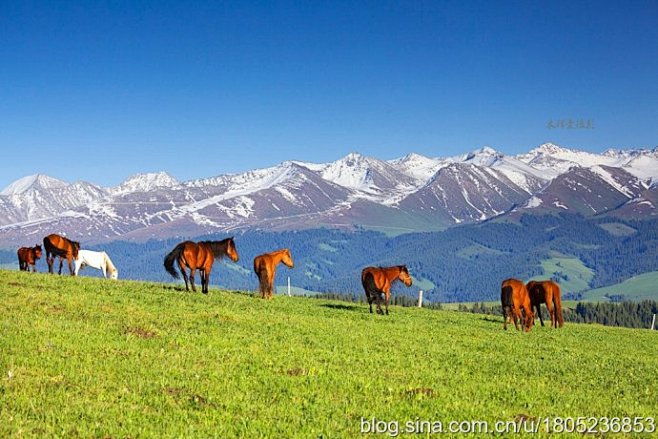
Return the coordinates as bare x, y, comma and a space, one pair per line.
95, 358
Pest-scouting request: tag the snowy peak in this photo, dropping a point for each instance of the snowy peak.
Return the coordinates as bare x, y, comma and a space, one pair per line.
146, 182
36, 181
419, 167
353, 171
485, 156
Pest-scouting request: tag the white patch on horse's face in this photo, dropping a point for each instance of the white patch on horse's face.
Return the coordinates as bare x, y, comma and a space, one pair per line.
114, 275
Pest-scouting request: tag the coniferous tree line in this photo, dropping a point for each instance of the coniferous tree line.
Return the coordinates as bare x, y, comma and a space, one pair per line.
461, 264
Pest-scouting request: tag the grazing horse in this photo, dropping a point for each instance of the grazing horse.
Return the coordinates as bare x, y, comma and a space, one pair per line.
514, 297
199, 255
56, 245
265, 269
547, 292
27, 256
98, 260
377, 282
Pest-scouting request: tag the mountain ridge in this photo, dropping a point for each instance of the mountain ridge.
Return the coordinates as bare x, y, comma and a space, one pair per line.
413, 192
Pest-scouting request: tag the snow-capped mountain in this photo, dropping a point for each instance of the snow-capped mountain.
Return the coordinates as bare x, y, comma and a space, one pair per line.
410, 193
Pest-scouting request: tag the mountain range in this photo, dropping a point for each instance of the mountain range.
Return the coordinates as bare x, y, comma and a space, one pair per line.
412, 193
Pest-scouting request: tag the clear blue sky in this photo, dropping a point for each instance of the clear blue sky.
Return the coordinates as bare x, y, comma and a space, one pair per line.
102, 90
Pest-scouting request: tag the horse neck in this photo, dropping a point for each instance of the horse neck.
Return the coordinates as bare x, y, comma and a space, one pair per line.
392, 273
218, 248
277, 256
108, 263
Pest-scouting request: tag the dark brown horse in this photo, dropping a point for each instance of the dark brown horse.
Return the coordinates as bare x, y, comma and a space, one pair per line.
265, 269
514, 297
199, 256
27, 256
377, 282
547, 292
64, 248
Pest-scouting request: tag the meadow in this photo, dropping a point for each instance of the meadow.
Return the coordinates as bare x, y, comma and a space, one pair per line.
94, 358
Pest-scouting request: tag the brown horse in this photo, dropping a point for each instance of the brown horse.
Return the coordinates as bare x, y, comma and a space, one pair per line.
547, 292
62, 247
377, 282
27, 256
199, 255
265, 269
514, 297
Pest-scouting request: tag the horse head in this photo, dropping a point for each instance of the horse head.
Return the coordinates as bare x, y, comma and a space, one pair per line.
287, 258
37, 251
114, 275
404, 275
231, 251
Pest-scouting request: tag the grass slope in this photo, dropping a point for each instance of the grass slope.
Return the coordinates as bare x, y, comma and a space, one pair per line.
577, 274
641, 287
95, 358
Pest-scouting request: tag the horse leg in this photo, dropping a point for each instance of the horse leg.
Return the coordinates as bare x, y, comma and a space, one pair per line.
50, 260
61, 264
551, 312
70, 262
378, 301
517, 317
538, 309
204, 285
505, 316
369, 297
192, 272
388, 299
206, 277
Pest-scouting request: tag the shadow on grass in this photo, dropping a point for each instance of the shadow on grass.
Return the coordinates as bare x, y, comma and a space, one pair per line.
342, 307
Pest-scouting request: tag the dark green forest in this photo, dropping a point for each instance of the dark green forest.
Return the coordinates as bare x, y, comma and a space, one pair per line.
461, 264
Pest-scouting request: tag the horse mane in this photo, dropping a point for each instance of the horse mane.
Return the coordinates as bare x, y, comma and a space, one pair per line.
218, 248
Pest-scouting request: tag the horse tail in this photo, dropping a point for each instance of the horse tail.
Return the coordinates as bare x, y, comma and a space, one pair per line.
370, 286
557, 303
506, 296
171, 258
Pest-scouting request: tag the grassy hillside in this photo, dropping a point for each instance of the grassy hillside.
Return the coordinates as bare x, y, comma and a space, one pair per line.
641, 287
95, 358
574, 275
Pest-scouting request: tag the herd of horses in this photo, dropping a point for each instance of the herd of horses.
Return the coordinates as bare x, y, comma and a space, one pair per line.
517, 299
65, 249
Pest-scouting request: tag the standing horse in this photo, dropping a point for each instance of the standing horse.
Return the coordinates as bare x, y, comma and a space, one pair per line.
514, 297
547, 292
27, 256
377, 282
98, 260
199, 255
265, 269
62, 247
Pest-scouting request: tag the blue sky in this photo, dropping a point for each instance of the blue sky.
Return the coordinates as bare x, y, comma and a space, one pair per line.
102, 90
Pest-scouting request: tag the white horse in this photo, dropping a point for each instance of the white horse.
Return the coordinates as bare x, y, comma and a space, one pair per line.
99, 260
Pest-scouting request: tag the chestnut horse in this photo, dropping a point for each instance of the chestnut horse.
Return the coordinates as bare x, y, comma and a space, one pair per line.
547, 292
27, 256
377, 282
62, 247
514, 297
199, 255
265, 269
